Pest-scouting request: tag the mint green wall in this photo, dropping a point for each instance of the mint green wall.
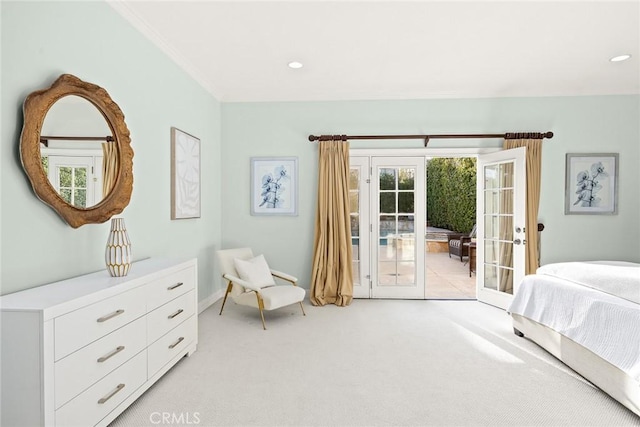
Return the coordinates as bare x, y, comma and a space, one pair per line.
580, 124
91, 41
40, 41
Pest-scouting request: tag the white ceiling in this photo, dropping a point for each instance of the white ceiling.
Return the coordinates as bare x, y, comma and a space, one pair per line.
363, 50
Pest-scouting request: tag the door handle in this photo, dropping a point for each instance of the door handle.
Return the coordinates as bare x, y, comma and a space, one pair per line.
517, 242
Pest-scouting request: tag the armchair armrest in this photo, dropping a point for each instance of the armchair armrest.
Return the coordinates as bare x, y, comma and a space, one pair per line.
284, 276
241, 282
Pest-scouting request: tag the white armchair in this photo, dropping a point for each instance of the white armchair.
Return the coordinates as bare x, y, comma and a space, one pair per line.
251, 282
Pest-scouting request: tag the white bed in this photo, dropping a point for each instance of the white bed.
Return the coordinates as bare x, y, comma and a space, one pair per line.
587, 314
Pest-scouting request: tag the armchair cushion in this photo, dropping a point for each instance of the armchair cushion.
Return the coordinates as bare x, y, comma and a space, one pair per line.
273, 297
255, 271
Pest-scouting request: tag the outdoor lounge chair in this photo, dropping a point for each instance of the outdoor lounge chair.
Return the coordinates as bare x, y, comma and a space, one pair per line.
459, 243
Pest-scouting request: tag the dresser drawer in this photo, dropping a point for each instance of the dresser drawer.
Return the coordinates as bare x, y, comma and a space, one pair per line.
95, 403
165, 289
85, 325
168, 316
171, 344
81, 369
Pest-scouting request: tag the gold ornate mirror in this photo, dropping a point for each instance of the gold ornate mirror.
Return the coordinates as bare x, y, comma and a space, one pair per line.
75, 148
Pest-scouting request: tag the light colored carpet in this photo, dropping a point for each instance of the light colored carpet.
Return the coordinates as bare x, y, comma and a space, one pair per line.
375, 363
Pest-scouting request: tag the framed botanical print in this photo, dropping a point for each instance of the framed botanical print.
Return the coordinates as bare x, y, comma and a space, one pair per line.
591, 184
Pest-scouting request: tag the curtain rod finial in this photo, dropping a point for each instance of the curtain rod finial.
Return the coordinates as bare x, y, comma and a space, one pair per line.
312, 138
548, 135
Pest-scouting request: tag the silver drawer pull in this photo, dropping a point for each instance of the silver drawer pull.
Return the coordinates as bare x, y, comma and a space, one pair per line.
110, 355
177, 285
110, 395
171, 316
176, 343
110, 316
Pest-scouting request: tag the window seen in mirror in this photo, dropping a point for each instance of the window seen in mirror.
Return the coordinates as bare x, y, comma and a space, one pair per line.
72, 184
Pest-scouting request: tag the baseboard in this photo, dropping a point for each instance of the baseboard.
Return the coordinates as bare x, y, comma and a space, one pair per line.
210, 300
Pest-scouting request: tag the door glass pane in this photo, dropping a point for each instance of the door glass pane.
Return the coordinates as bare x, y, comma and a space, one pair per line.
506, 201
406, 179
506, 175
490, 277
388, 202
355, 225
65, 193
405, 246
490, 251
506, 229
65, 176
491, 177
81, 177
387, 179
388, 225
506, 280
506, 254
354, 175
355, 272
491, 227
405, 202
406, 273
491, 201
388, 248
406, 224
80, 198
353, 202
387, 273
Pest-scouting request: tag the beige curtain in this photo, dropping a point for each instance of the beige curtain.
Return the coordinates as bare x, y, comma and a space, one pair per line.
109, 166
534, 166
331, 275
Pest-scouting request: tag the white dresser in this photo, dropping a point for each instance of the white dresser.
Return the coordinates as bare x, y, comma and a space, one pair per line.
78, 352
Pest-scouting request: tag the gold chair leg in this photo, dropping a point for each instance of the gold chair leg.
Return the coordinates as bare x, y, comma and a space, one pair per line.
303, 313
229, 287
261, 308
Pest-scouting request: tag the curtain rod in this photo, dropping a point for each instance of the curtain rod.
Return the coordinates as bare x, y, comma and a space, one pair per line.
45, 139
426, 138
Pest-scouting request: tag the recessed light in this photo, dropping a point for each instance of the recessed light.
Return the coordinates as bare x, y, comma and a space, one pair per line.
295, 65
620, 58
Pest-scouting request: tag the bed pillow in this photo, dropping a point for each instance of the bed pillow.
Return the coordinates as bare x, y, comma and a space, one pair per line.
255, 271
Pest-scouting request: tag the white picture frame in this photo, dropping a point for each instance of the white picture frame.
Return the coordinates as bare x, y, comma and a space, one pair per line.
591, 184
274, 186
185, 175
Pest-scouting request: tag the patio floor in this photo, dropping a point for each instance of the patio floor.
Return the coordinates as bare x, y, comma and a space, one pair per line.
448, 278
445, 278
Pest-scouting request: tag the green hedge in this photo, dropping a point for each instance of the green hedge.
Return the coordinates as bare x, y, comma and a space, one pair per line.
451, 193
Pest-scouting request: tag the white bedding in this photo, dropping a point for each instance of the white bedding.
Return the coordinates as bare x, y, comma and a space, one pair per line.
618, 278
607, 325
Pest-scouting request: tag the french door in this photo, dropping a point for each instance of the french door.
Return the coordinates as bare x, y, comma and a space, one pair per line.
501, 202
387, 199
359, 183
398, 227
388, 218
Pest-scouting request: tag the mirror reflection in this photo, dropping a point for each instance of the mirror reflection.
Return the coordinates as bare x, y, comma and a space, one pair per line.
79, 155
